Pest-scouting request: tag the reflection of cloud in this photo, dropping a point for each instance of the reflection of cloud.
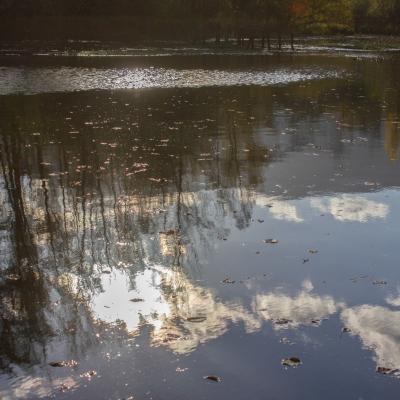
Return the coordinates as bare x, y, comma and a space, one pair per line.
183, 336
307, 285
393, 301
33, 387
166, 300
285, 211
115, 302
379, 330
351, 208
303, 309
171, 300
282, 210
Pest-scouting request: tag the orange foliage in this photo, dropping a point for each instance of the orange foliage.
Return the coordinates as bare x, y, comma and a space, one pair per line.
298, 8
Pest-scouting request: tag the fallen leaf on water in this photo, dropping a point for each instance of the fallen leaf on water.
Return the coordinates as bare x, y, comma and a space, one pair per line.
260, 221
227, 280
387, 371
88, 374
213, 378
13, 277
271, 241
136, 300
196, 319
60, 364
170, 337
64, 387
313, 251
291, 362
282, 321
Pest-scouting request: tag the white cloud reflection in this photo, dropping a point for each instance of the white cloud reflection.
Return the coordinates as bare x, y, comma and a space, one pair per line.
280, 209
285, 211
351, 208
287, 311
379, 330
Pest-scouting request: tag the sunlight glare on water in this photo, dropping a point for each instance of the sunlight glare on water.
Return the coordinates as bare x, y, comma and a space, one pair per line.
45, 80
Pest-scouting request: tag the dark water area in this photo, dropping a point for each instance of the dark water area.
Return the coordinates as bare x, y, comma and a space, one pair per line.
168, 218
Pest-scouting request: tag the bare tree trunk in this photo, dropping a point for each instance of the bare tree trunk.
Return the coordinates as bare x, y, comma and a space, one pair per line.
269, 42
263, 42
280, 42
292, 41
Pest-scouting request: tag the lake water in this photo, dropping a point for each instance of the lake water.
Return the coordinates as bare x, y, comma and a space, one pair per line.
167, 216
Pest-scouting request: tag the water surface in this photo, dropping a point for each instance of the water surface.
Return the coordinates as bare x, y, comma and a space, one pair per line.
168, 218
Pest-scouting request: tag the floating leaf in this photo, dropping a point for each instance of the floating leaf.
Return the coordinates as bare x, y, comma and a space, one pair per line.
13, 277
89, 374
170, 337
387, 371
291, 362
282, 321
60, 364
213, 378
227, 280
271, 241
136, 300
196, 319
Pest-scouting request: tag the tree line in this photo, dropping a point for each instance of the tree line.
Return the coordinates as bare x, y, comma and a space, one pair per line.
225, 19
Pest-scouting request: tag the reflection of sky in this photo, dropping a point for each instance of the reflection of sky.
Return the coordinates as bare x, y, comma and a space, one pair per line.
114, 302
379, 330
344, 208
107, 234
305, 308
170, 300
351, 208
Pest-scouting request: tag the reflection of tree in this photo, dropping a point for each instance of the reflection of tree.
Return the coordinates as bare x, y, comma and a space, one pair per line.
81, 200
187, 301
68, 224
23, 270
392, 136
